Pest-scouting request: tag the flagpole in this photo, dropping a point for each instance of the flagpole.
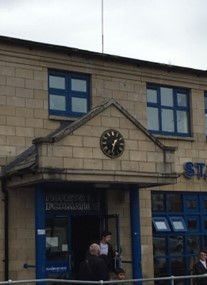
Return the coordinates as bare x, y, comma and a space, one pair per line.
102, 25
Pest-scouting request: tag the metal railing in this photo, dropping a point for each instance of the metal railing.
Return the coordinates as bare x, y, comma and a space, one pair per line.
171, 280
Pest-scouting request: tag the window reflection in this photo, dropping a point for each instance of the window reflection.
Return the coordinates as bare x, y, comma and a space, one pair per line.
176, 245
182, 119
192, 224
57, 82
153, 121
158, 203
79, 105
168, 120
79, 85
57, 102
152, 95
205, 224
182, 99
193, 244
56, 239
166, 96
159, 246
175, 203
160, 269
191, 204
178, 269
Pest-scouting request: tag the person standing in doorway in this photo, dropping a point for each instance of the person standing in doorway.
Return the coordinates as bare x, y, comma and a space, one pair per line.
200, 267
93, 268
106, 250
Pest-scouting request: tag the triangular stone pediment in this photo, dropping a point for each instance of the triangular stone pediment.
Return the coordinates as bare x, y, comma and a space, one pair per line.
73, 153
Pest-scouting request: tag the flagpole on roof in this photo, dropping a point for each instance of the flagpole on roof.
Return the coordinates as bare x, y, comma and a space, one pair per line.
102, 25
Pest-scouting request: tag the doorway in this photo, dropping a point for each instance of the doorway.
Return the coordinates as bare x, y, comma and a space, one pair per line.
67, 240
85, 230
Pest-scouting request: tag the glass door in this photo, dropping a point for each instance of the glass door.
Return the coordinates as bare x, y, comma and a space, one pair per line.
58, 258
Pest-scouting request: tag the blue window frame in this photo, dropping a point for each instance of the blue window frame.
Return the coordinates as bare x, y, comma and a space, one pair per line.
69, 93
168, 110
187, 222
205, 101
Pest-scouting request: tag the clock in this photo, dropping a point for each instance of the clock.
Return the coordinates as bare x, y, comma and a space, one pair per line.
112, 143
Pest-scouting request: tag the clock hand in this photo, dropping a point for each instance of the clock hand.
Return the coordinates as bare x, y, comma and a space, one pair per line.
113, 144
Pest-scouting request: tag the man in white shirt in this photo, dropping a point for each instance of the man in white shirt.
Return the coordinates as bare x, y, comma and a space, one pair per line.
106, 250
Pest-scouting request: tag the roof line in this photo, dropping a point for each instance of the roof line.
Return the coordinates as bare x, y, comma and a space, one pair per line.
103, 56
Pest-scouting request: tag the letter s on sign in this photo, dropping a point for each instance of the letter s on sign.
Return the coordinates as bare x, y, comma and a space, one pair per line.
189, 171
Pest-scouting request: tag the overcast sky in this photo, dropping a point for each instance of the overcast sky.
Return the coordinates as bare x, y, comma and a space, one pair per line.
165, 31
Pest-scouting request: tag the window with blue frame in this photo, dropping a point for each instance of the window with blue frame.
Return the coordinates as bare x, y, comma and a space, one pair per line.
179, 231
205, 98
69, 93
168, 110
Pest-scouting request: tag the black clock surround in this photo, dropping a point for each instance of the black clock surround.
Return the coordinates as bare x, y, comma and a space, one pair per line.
112, 143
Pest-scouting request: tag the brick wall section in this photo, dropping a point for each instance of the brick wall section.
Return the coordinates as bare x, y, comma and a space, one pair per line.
21, 234
119, 200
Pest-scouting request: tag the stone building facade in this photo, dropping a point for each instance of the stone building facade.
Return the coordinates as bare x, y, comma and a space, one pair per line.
91, 141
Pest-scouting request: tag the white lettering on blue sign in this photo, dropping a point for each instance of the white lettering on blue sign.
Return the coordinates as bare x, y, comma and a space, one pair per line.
56, 269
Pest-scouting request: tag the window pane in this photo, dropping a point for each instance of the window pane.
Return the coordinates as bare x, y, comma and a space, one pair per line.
161, 225
166, 96
167, 120
192, 203
193, 244
160, 268
205, 102
204, 203
174, 202
79, 105
78, 85
56, 239
153, 123
151, 96
178, 268
159, 246
205, 224
57, 102
57, 82
182, 99
192, 224
182, 122
204, 241
176, 245
158, 203
178, 224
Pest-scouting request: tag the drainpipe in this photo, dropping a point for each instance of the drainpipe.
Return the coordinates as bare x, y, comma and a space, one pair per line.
6, 228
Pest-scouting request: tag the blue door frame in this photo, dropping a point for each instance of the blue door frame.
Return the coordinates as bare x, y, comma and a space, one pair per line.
135, 233
40, 232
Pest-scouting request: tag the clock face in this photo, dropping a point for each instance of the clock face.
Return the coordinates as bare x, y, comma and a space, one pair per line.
112, 143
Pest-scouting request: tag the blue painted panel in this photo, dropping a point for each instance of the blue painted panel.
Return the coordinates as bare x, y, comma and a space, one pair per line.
135, 233
40, 232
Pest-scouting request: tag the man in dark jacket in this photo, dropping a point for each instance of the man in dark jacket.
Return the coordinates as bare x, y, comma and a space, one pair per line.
200, 268
93, 268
